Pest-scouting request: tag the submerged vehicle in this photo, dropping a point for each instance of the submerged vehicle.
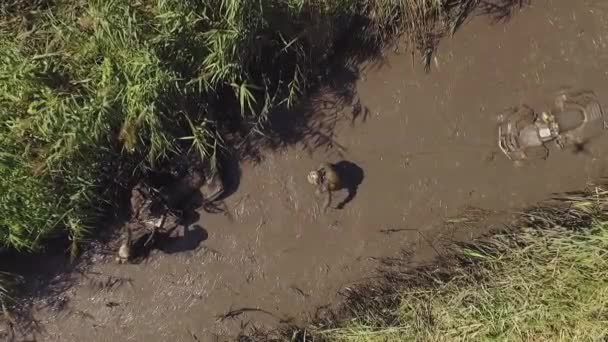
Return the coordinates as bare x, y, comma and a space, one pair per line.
522, 133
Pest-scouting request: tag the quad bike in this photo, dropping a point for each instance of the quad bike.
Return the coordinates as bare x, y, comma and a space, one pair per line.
151, 208
522, 134
166, 195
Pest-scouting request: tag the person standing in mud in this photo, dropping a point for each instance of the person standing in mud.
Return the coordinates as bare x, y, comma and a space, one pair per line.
330, 177
326, 180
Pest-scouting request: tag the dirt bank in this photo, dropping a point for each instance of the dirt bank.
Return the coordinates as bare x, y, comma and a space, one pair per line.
427, 146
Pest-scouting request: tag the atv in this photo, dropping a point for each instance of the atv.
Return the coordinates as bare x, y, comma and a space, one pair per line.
522, 134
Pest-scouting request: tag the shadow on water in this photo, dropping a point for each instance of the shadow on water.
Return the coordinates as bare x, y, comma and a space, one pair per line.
312, 122
230, 173
169, 242
45, 277
499, 11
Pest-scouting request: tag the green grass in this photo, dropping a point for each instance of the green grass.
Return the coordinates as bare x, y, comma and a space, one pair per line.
95, 93
546, 280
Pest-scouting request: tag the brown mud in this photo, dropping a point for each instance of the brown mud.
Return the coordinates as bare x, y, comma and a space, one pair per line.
427, 148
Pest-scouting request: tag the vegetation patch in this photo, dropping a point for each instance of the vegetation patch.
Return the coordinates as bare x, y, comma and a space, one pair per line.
543, 279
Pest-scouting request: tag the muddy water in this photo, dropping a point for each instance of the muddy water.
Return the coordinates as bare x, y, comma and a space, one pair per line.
428, 149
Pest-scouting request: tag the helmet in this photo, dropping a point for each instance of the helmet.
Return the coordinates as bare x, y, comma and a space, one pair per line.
314, 177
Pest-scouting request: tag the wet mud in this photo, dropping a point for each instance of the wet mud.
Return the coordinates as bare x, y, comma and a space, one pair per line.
421, 147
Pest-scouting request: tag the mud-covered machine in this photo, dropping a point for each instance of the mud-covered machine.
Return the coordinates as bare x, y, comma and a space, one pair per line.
522, 133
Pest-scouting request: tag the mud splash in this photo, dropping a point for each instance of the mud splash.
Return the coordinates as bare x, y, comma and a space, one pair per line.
427, 146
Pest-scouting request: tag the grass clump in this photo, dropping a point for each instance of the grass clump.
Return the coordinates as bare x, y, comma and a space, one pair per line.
545, 281
95, 93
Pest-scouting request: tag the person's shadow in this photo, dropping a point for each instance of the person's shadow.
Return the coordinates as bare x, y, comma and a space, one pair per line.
191, 239
351, 176
168, 242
